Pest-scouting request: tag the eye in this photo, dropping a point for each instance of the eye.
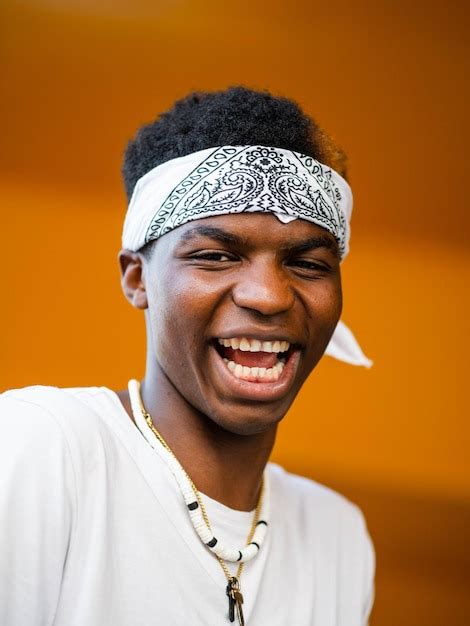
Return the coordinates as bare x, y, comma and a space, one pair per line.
311, 265
213, 256
309, 268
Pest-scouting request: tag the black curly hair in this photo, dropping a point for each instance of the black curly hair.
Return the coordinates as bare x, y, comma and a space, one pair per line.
235, 116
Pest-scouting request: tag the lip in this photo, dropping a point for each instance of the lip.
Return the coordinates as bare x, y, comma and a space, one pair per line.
256, 391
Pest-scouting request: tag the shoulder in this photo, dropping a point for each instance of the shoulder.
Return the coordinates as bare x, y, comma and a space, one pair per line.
58, 404
306, 493
45, 403
317, 506
30, 414
34, 419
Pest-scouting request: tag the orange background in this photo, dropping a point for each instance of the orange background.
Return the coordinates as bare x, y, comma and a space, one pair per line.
387, 80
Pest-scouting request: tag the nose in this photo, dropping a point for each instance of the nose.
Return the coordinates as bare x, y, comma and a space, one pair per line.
263, 286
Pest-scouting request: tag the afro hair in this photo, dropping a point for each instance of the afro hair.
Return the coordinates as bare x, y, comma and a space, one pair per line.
235, 116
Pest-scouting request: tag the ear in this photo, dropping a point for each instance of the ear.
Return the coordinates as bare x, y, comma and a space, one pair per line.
132, 280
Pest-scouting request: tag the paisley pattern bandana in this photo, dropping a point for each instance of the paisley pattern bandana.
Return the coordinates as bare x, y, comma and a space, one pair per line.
244, 179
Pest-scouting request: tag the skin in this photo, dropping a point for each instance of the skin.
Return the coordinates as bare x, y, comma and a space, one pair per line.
244, 275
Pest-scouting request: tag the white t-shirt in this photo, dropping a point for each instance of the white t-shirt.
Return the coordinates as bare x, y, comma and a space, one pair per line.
94, 531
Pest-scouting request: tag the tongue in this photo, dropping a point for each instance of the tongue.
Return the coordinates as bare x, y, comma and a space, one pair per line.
251, 359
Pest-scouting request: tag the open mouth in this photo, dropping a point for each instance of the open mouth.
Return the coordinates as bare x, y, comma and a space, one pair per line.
255, 360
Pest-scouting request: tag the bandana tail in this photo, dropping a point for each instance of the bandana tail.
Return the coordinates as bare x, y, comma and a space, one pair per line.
344, 347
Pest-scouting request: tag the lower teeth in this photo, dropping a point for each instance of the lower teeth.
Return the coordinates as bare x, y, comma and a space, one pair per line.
260, 373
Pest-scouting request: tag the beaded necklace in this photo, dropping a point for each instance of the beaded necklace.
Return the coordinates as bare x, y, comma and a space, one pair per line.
199, 517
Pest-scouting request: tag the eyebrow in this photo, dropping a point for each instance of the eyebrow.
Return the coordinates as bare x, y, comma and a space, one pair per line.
214, 233
218, 234
320, 241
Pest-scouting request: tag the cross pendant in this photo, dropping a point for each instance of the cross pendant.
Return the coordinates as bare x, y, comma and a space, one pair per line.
235, 601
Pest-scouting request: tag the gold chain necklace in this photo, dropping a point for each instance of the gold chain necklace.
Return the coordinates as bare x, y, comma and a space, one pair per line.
235, 597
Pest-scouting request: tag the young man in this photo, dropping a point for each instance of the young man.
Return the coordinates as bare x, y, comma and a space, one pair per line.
157, 504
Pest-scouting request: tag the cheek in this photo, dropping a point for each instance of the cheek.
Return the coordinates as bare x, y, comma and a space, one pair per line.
337, 301
325, 301
323, 306
179, 312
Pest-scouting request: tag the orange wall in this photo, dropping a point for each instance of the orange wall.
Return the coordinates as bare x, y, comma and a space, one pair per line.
388, 81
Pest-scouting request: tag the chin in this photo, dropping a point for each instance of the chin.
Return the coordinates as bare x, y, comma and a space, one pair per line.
247, 423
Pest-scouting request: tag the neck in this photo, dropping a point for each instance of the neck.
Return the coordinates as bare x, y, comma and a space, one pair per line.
225, 466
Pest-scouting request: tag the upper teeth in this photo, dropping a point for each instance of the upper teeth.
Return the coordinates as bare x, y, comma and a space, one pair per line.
254, 345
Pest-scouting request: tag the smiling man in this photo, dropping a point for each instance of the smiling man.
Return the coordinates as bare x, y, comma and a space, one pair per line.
157, 504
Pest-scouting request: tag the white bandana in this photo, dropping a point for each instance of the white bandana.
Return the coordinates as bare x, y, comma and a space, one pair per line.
245, 179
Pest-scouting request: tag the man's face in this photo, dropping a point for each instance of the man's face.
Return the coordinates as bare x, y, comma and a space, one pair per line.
240, 310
